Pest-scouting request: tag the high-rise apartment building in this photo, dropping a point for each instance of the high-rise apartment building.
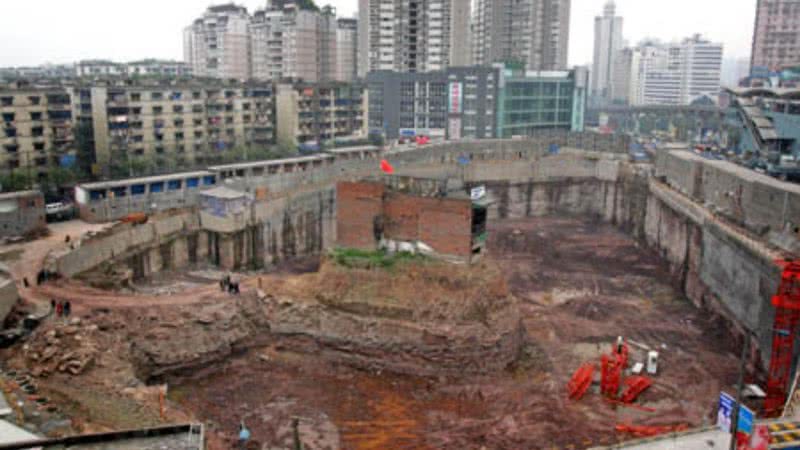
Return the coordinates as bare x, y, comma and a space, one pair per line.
287, 39
412, 35
607, 44
218, 43
672, 74
532, 32
291, 42
776, 38
346, 62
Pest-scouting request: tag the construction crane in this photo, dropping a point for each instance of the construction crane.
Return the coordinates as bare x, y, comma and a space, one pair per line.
784, 333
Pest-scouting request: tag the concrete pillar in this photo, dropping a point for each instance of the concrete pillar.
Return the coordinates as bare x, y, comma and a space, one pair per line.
202, 246
227, 258
180, 253
156, 262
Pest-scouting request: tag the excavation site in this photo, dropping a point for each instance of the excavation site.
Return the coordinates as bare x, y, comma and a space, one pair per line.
502, 294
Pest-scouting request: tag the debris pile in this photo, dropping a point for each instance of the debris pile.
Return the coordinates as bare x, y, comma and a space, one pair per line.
64, 348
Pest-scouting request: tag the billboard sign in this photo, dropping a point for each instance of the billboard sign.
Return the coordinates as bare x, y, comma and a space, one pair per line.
456, 98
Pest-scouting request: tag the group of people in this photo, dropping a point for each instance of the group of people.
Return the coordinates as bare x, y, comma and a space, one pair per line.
229, 284
41, 277
61, 308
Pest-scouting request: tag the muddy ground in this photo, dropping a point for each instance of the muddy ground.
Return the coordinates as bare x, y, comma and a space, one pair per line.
583, 284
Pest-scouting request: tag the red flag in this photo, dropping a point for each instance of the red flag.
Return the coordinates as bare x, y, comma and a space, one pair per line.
386, 167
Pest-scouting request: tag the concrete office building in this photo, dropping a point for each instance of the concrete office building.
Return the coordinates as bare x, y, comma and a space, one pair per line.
455, 103
412, 35
531, 101
180, 124
217, 45
346, 64
289, 42
314, 114
607, 44
532, 32
776, 37
37, 128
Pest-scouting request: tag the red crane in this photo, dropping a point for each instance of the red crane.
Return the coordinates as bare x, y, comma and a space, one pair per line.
784, 333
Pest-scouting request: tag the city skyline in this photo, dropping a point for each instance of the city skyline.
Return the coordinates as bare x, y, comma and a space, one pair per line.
78, 31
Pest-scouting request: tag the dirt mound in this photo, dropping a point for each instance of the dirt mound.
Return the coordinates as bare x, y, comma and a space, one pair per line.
61, 346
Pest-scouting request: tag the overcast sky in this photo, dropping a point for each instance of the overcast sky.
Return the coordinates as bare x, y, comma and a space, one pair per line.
37, 31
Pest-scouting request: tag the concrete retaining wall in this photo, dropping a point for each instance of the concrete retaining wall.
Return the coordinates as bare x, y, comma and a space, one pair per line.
763, 205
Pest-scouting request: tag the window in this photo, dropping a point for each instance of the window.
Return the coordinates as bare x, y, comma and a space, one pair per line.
137, 189
209, 180
192, 183
174, 185
35, 100
156, 96
157, 187
6, 101
36, 116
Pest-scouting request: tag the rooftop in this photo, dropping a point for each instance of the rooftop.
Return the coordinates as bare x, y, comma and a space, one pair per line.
19, 194
153, 179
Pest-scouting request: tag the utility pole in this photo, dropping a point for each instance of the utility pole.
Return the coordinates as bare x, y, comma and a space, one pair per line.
739, 389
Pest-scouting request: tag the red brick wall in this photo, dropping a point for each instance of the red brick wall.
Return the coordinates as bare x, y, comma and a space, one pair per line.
446, 225
357, 206
443, 224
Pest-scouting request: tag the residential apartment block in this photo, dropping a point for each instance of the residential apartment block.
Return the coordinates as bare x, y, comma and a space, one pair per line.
217, 45
346, 63
285, 40
191, 123
37, 126
677, 73
776, 37
412, 35
316, 113
289, 42
534, 33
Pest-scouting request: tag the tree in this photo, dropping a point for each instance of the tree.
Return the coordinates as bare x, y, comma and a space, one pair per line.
15, 181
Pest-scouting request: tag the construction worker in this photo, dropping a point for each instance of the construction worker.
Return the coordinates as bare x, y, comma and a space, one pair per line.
244, 435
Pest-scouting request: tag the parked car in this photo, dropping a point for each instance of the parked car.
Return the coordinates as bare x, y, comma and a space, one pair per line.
59, 211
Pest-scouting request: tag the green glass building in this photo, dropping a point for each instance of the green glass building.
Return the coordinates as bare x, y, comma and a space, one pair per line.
533, 100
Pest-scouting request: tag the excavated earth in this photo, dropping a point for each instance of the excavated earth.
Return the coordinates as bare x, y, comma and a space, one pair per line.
420, 356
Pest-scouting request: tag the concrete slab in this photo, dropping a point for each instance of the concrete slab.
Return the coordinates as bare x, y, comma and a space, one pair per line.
707, 438
10, 434
5, 409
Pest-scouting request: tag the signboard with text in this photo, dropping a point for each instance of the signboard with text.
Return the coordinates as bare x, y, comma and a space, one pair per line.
725, 415
456, 96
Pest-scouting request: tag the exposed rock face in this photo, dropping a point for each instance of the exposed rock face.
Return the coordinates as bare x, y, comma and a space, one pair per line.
476, 330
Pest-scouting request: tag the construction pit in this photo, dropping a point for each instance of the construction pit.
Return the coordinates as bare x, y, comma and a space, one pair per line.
366, 351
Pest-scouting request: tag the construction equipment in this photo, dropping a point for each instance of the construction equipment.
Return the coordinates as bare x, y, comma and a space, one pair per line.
784, 333
634, 386
612, 366
580, 381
